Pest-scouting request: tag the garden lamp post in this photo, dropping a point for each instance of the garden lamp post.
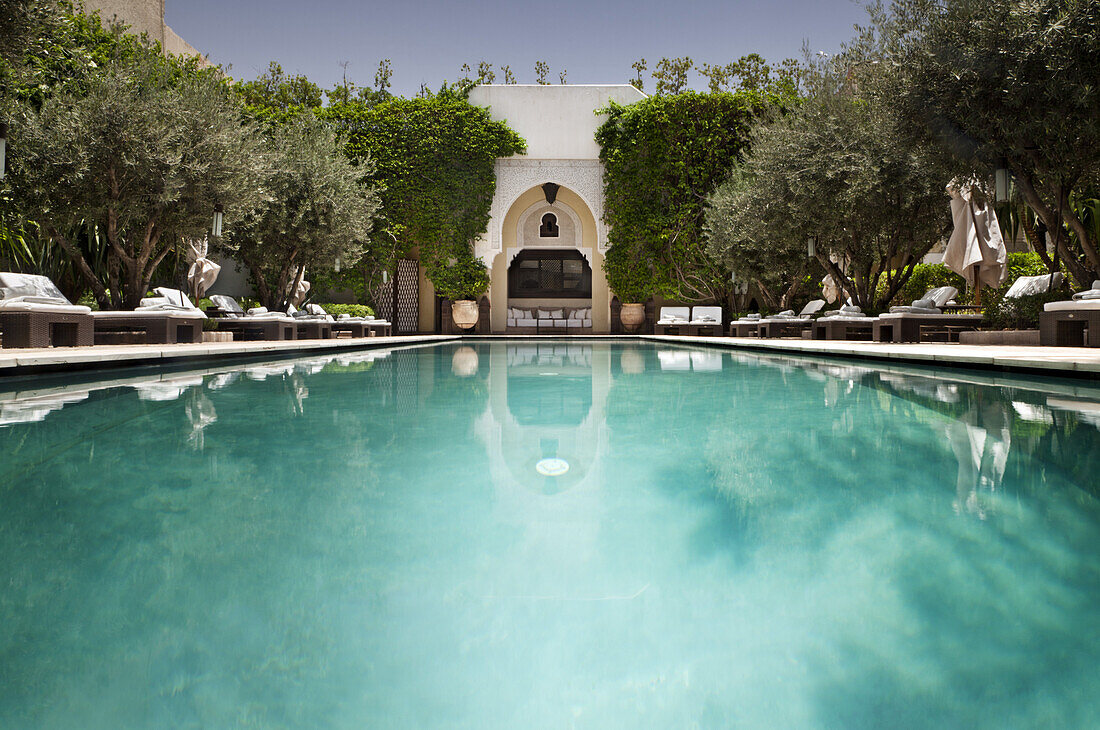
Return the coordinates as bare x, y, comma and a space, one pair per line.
1001, 181
3, 147
216, 228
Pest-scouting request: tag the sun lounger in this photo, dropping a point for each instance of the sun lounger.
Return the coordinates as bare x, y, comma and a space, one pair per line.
255, 324
747, 326
34, 313
166, 319
789, 323
673, 321
706, 321
843, 328
918, 327
1072, 323
931, 303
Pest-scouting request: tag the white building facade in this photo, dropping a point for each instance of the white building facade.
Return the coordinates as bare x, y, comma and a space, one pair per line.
548, 207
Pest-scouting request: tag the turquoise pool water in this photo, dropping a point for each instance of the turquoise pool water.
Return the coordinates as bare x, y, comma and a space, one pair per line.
371, 540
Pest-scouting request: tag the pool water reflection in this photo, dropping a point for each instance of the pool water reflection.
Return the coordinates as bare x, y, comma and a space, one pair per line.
369, 540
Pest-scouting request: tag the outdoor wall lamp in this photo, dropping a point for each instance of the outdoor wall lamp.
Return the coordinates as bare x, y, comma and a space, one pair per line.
811, 247
216, 229
3, 147
1000, 181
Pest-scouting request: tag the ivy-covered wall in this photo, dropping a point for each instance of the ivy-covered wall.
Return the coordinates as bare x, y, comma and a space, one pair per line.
663, 156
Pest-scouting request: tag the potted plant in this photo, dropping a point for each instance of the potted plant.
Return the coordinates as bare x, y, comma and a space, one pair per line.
461, 280
631, 281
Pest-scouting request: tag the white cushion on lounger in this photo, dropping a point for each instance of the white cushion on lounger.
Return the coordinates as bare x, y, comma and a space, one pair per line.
152, 313
31, 285
706, 315
1071, 305
1028, 285
28, 304
674, 315
526, 322
175, 296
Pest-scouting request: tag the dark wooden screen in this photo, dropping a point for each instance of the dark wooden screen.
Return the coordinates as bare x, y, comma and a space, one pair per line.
400, 304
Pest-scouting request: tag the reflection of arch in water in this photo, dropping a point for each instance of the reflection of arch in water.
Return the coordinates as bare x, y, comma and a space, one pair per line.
546, 400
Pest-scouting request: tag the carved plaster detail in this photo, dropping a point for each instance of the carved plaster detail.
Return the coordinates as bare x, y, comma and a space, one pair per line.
517, 175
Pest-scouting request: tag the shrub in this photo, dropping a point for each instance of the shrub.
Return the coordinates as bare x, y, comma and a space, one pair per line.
1020, 312
355, 310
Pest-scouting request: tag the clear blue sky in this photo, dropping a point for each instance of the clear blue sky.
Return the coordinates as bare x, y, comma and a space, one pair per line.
429, 40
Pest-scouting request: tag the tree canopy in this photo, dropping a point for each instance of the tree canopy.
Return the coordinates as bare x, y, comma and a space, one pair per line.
138, 153
316, 212
840, 169
1004, 79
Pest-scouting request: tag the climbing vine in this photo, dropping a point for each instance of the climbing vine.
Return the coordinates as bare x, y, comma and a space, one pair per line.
663, 156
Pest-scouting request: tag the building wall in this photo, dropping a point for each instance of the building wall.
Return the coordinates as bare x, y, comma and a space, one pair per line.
143, 16
559, 124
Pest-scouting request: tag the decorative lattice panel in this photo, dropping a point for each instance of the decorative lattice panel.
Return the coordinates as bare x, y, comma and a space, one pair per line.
407, 301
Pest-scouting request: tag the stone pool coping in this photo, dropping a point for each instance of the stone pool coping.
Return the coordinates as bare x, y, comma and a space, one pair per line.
1074, 362
32, 361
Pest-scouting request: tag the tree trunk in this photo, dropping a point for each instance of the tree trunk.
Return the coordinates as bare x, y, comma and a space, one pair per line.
98, 290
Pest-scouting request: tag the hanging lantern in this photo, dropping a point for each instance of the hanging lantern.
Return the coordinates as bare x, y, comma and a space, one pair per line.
3, 147
385, 277
337, 266
1001, 181
811, 247
216, 229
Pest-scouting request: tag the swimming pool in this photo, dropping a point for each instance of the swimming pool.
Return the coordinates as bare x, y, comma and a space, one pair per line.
551, 535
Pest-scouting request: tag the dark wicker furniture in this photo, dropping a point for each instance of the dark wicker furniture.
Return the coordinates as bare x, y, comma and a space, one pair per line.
843, 328
924, 327
1068, 327
39, 328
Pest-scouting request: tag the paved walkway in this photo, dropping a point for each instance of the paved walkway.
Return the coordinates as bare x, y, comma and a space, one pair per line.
1060, 361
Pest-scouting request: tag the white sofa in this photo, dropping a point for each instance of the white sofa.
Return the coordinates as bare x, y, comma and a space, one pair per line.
542, 320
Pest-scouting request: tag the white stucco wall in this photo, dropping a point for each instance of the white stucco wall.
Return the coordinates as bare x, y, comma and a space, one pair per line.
557, 121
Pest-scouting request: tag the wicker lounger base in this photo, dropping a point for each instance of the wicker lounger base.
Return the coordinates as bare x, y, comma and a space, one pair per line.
353, 330
150, 330
383, 330
1068, 328
314, 330
843, 329
744, 329
674, 329
46, 329
791, 328
922, 327
274, 329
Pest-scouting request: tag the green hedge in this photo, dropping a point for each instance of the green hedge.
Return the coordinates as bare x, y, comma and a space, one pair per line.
355, 310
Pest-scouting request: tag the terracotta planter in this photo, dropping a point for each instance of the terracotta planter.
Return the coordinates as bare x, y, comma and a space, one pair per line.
632, 316
464, 313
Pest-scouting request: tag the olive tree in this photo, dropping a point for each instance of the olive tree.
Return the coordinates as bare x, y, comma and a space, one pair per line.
317, 211
1011, 80
837, 168
141, 152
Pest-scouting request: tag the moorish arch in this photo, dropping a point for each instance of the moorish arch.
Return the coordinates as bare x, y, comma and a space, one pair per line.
564, 238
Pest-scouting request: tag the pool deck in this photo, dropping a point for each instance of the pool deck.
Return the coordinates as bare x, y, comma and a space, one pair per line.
1075, 362
1055, 361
